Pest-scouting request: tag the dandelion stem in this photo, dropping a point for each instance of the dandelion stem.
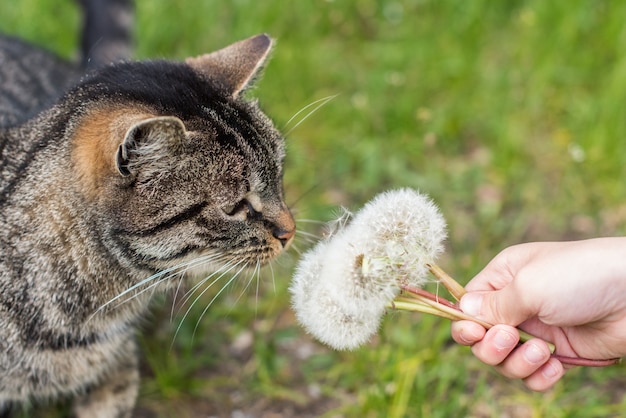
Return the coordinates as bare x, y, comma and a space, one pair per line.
443, 307
452, 311
419, 300
456, 290
414, 306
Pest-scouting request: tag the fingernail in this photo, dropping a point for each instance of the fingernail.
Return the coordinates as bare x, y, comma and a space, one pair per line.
471, 303
534, 354
550, 371
468, 337
504, 340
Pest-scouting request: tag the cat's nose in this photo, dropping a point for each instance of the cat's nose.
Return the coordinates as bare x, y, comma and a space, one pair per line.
283, 235
284, 227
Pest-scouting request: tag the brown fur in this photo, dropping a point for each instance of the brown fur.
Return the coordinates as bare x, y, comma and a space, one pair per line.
95, 142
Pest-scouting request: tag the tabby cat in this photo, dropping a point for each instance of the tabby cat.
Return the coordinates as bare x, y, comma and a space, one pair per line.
141, 170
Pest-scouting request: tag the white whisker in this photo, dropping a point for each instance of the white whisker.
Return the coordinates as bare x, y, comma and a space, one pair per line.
223, 273
327, 98
180, 270
308, 236
189, 293
255, 272
321, 102
156, 279
296, 249
204, 311
175, 297
310, 221
273, 276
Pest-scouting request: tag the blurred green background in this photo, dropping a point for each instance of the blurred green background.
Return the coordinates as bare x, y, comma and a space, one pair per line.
510, 114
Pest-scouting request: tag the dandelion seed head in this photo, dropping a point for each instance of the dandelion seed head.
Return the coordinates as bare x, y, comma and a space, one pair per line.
339, 223
342, 287
404, 230
329, 321
344, 274
331, 304
306, 279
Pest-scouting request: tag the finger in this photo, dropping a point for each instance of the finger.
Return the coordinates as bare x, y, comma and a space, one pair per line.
525, 360
505, 306
546, 376
497, 344
467, 332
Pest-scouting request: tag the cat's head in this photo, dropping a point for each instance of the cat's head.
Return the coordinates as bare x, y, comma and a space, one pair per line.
176, 164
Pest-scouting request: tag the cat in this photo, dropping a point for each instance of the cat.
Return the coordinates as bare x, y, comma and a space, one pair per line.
140, 170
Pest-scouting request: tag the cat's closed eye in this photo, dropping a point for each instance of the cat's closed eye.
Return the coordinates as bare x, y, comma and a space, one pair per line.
248, 207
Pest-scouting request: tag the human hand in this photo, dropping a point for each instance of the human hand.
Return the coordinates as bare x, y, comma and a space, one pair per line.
568, 293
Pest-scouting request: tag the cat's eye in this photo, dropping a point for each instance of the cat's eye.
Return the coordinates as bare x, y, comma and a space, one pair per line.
236, 209
243, 209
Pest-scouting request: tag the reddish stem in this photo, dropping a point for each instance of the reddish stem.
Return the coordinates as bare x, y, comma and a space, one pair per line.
431, 296
579, 361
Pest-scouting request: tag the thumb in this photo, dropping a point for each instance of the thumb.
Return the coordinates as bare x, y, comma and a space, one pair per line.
504, 306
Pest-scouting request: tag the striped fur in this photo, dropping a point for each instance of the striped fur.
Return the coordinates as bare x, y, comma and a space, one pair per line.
141, 172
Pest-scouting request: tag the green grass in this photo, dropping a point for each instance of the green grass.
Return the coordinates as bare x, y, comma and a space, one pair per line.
509, 114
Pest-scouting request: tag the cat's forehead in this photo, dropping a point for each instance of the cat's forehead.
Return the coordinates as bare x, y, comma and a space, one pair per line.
238, 148
175, 89
166, 84
243, 125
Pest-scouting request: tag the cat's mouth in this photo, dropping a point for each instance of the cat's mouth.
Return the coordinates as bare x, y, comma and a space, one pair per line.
262, 252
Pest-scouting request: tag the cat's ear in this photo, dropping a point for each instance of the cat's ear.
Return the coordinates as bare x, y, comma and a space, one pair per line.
146, 143
236, 65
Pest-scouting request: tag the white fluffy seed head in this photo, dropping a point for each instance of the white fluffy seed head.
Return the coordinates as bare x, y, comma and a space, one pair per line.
342, 287
402, 231
332, 300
